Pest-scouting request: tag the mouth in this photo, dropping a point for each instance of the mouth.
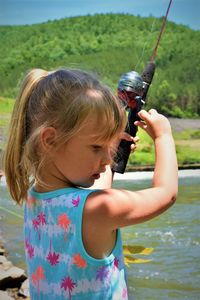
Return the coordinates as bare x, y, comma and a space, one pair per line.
96, 176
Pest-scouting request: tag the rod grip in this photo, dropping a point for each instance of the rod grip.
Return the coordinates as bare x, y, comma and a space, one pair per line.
124, 148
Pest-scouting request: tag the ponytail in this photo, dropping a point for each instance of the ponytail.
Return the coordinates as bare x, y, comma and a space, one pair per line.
64, 99
16, 169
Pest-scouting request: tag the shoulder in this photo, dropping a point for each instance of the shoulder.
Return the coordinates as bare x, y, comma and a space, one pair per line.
101, 199
106, 206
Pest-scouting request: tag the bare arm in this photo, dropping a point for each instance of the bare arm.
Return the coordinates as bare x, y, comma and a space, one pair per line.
119, 208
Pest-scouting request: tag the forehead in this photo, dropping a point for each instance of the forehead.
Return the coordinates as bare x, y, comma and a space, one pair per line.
91, 128
96, 130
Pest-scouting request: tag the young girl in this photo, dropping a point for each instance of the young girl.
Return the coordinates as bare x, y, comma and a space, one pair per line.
65, 129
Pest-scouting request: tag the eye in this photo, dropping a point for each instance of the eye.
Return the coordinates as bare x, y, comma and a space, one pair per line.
96, 148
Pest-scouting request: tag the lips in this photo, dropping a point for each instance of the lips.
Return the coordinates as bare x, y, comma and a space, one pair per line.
96, 176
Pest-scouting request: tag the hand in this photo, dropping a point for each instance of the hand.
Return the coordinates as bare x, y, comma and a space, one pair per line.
153, 123
129, 138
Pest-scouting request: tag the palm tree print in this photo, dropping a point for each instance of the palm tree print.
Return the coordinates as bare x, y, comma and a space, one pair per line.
76, 201
29, 248
63, 222
52, 257
116, 263
39, 221
37, 277
79, 261
102, 273
41, 218
68, 284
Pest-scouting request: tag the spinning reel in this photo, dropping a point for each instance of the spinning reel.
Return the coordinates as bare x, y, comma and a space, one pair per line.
132, 90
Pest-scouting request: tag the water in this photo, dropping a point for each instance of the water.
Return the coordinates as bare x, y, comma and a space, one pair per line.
173, 271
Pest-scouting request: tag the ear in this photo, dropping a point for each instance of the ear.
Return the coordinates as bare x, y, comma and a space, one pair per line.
47, 138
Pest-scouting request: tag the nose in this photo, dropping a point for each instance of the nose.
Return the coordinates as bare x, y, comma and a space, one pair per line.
107, 157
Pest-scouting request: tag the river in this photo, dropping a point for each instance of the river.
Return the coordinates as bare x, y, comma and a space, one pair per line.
170, 269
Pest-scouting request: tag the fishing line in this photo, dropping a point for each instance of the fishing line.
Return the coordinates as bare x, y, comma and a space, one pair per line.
154, 52
146, 43
12, 212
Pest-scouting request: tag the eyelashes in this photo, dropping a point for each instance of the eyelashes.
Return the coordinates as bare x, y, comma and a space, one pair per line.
97, 148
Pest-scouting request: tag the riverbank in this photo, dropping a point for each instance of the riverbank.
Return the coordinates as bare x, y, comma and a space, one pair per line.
148, 175
13, 280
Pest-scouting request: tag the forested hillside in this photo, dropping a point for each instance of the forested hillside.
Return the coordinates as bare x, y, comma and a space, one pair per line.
110, 45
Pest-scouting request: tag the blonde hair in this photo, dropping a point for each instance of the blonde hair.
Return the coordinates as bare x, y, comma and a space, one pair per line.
63, 99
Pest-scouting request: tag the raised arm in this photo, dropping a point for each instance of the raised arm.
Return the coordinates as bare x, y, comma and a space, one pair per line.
119, 208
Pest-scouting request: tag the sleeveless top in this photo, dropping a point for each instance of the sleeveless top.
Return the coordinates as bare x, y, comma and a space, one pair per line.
59, 266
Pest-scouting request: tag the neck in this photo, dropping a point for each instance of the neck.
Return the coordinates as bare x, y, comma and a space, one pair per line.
51, 180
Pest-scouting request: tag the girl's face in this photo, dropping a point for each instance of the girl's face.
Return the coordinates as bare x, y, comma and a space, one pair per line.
81, 160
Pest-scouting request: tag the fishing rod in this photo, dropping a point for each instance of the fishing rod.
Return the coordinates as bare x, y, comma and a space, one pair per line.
132, 90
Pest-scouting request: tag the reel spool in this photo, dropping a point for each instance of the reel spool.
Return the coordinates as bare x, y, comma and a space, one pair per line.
130, 89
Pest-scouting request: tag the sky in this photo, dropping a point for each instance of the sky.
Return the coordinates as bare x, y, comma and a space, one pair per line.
20, 12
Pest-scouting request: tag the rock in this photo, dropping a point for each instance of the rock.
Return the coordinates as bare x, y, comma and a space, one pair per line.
5, 296
2, 250
3, 259
5, 265
24, 290
13, 293
11, 277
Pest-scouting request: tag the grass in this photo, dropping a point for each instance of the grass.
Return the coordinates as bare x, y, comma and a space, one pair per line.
187, 148
144, 155
187, 142
6, 106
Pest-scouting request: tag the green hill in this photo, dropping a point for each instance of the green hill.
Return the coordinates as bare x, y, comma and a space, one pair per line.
110, 45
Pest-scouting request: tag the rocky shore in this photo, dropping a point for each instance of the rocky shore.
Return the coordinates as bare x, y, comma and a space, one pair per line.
13, 280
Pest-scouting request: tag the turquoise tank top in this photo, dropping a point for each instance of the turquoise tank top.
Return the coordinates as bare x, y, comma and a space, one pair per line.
59, 267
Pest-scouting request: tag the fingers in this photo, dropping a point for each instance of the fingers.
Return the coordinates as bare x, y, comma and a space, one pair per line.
126, 136
134, 144
144, 115
141, 124
129, 138
133, 147
152, 111
136, 139
147, 119
153, 123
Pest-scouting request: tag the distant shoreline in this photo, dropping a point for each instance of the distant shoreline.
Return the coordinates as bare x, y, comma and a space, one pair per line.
132, 168
143, 172
148, 175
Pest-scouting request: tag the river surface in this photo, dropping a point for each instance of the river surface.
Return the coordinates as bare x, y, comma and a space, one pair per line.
171, 270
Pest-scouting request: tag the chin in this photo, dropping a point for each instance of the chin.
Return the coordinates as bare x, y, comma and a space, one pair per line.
85, 184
